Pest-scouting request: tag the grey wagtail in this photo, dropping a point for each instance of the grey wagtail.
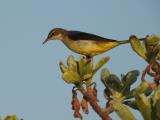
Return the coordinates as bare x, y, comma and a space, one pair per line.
83, 43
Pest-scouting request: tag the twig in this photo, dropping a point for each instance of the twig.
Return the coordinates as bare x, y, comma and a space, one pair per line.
96, 107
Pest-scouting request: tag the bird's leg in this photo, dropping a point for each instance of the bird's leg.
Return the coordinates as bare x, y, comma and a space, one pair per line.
89, 61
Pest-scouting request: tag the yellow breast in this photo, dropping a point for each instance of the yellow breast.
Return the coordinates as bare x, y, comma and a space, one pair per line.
89, 47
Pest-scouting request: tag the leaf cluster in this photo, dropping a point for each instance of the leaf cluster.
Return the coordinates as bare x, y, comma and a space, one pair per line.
119, 91
77, 71
11, 117
149, 49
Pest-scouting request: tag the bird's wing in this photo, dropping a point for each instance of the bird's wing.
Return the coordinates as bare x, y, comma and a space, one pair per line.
77, 35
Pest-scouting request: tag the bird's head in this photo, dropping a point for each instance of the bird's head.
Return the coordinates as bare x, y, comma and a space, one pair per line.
55, 34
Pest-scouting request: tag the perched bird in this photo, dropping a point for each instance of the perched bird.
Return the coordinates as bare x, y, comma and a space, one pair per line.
83, 43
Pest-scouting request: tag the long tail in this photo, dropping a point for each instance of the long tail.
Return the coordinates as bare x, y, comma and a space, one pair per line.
127, 41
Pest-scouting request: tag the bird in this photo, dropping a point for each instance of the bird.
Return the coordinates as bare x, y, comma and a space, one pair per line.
83, 43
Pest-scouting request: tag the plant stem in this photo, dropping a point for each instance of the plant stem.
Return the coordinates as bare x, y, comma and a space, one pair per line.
122, 111
89, 61
96, 107
88, 95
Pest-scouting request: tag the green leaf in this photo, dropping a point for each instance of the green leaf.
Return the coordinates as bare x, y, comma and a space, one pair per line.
132, 94
156, 52
72, 65
157, 105
132, 104
144, 106
71, 77
122, 110
104, 75
156, 96
128, 80
153, 53
11, 117
153, 40
63, 67
100, 63
87, 76
107, 93
81, 64
141, 88
131, 77
137, 46
123, 79
148, 91
114, 82
156, 110
88, 68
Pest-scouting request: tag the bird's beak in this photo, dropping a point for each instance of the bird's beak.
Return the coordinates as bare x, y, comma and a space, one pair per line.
45, 41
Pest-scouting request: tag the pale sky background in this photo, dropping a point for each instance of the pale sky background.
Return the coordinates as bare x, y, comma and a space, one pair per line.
30, 78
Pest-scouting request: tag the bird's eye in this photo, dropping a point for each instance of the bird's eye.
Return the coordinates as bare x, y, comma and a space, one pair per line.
53, 33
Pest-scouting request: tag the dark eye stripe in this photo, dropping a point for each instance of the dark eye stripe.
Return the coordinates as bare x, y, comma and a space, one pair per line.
52, 31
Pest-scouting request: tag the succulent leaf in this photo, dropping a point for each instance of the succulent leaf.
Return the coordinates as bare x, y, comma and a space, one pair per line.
133, 92
141, 88
81, 64
153, 40
87, 76
132, 104
63, 67
128, 80
114, 82
71, 77
88, 69
156, 96
131, 77
100, 63
144, 106
72, 65
11, 117
104, 74
138, 47
157, 105
122, 111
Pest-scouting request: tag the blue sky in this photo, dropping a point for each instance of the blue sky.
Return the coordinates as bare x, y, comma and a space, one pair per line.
30, 79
